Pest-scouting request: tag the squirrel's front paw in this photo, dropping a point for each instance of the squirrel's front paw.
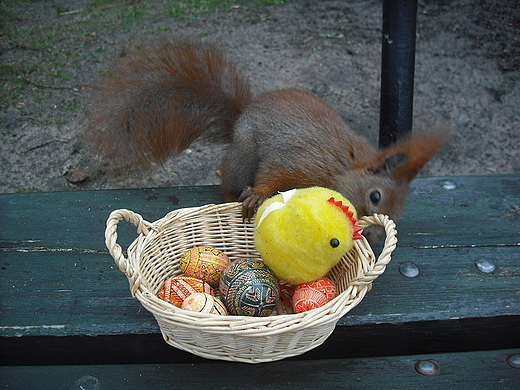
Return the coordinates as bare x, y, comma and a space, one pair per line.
251, 200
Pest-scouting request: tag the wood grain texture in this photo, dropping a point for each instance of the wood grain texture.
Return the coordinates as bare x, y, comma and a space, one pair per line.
75, 221
462, 211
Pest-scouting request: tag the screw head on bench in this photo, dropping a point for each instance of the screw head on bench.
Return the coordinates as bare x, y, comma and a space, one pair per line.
426, 367
513, 360
485, 265
448, 185
409, 270
88, 382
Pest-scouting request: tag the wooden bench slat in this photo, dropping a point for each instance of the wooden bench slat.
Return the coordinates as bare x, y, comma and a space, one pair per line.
474, 370
478, 211
58, 280
72, 293
76, 220
448, 286
64, 294
484, 210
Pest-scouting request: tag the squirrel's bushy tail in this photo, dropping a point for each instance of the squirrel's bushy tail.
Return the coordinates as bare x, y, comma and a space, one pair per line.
157, 99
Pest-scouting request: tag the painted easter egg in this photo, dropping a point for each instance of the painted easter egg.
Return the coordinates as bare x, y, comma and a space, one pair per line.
308, 296
204, 263
176, 290
219, 308
204, 303
248, 288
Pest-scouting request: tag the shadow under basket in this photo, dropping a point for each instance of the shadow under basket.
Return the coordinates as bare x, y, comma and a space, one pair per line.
154, 257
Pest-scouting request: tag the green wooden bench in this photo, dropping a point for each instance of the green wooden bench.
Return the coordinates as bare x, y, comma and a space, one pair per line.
66, 314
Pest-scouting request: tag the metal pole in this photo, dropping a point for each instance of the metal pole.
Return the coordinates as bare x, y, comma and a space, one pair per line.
397, 70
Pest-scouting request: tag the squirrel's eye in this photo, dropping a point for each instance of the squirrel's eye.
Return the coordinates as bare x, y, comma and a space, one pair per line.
375, 197
334, 243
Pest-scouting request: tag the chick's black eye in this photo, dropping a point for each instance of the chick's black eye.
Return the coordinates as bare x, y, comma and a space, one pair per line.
375, 197
334, 243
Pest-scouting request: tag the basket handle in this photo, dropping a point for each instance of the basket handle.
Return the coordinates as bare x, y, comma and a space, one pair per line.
389, 246
115, 250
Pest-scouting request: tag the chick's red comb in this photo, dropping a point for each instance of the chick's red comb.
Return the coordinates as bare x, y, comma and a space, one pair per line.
350, 216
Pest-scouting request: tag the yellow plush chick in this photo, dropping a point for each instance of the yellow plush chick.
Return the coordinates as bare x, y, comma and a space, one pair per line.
301, 234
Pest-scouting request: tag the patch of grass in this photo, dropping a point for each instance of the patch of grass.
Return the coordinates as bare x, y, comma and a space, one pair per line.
8, 15
23, 190
71, 105
12, 85
63, 75
40, 99
196, 8
51, 49
270, 2
101, 3
7, 70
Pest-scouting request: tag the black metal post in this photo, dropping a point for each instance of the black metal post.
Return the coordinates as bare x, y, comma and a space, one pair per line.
397, 70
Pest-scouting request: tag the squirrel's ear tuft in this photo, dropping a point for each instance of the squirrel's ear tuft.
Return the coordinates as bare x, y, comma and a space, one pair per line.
387, 164
404, 160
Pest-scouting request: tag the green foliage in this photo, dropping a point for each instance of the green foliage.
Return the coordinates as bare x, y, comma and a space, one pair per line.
27, 190
50, 52
196, 8
270, 2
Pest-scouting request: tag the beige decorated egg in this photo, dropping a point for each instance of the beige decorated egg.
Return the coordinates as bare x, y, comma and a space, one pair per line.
204, 303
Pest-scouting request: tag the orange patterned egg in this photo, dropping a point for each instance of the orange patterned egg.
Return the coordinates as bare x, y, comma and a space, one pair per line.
308, 296
176, 290
204, 303
204, 263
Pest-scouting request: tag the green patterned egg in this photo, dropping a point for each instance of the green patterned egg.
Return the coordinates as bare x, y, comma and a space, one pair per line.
248, 288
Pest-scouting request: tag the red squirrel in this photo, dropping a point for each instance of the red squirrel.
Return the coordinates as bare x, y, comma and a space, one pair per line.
158, 98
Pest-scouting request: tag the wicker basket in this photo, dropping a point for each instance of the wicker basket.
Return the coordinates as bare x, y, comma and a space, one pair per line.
154, 256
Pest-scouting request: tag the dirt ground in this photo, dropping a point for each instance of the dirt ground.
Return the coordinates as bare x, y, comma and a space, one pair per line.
467, 73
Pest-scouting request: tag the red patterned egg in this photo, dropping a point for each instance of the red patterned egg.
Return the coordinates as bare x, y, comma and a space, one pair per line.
308, 296
176, 290
204, 303
248, 288
204, 263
